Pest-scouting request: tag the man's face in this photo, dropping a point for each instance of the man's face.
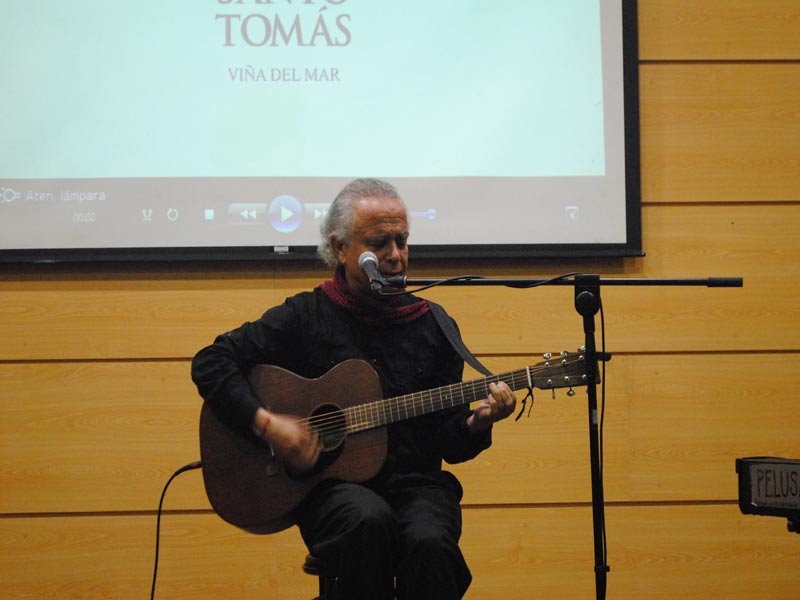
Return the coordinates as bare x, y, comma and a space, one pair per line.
381, 226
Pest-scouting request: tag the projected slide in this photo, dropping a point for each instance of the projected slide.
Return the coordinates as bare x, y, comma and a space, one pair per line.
233, 123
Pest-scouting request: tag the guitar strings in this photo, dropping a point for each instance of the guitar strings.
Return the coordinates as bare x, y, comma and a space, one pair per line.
366, 416
373, 414
409, 402
332, 421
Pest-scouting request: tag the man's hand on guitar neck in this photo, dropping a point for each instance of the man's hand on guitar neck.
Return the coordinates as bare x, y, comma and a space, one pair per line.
293, 442
499, 405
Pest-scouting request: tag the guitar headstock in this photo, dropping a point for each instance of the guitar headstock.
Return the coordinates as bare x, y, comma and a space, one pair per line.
561, 370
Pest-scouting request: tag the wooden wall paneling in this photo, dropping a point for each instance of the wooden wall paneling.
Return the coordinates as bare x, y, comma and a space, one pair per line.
89, 436
671, 551
674, 425
718, 30
105, 437
689, 417
755, 242
698, 552
47, 319
173, 319
655, 552
92, 557
720, 132
110, 319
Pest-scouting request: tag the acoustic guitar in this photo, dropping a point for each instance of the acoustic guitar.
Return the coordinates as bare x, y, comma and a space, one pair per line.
249, 488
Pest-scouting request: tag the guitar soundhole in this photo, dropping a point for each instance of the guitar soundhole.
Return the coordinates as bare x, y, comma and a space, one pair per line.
330, 423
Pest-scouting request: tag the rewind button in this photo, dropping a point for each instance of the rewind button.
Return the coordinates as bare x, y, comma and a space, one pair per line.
244, 213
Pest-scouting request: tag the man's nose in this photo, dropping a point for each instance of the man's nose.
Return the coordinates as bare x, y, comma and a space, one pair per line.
392, 253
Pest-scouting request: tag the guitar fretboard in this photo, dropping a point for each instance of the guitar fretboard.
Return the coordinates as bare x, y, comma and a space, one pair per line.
391, 410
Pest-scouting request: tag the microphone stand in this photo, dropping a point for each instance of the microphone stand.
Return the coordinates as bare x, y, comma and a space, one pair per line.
587, 304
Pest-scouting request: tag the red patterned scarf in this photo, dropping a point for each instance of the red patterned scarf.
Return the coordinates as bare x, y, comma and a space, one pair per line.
371, 309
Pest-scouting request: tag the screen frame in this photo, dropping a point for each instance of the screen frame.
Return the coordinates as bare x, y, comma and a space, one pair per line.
632, 247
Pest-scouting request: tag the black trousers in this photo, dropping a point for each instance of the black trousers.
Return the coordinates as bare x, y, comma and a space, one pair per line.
404, 526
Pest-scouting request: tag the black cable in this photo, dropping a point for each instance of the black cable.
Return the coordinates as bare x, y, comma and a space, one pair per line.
521, 285
431, 285
191, 466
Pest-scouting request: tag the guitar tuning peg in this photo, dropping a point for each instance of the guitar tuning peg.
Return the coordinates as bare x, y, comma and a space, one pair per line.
582, 349
547, 356
564, 353
570, 392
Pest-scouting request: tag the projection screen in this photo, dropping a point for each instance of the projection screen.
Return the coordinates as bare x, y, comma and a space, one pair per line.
222, 129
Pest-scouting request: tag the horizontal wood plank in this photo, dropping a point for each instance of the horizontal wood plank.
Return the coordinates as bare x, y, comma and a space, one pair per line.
719, 30
756, 243
699, 552
674, 426
44, 319
105, 437
113, 556
86, 437
122, 319
688, 552
720, 132
655, 552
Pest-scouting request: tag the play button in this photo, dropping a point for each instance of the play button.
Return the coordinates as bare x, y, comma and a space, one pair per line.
285, 213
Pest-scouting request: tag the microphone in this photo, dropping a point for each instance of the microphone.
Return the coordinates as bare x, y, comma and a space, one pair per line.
368, 263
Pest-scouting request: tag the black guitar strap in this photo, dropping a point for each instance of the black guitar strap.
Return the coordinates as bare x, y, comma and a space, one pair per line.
449, 329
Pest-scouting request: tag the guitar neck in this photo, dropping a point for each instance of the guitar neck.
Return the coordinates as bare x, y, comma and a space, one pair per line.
391, 410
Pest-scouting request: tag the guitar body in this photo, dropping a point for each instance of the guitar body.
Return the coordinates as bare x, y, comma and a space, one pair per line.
248, 487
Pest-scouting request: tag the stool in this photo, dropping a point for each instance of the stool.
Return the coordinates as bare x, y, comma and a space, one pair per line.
327, 580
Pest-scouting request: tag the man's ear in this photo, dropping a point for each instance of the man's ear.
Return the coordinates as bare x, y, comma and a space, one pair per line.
338, 248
